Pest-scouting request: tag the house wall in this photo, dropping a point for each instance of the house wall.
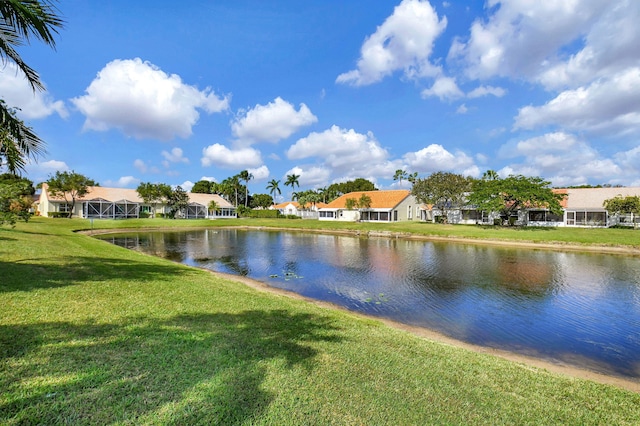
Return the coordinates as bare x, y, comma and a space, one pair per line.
409, 204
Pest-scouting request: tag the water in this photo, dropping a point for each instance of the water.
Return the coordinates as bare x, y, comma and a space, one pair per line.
580, 309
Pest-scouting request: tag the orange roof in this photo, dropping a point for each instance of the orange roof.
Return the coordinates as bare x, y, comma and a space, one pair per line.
286, 203
379, 199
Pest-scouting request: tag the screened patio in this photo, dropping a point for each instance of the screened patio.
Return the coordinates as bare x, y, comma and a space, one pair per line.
100, 208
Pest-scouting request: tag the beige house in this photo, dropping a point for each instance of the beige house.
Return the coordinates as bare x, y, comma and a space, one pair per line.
386, 206
123, 203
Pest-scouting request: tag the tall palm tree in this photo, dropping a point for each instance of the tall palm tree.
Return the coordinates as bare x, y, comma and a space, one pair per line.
400, 175
21, 21
292, 180
273, 188
246, 177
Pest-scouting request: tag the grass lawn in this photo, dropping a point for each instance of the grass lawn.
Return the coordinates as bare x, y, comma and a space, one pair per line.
94, 334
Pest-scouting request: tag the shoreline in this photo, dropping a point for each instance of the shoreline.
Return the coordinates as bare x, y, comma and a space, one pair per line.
422, 332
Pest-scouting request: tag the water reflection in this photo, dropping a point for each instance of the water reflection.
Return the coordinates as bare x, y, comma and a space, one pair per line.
582, 309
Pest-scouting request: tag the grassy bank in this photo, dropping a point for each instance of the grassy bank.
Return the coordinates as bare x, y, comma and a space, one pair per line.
94, 334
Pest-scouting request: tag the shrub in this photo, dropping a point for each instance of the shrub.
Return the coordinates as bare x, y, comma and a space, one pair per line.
264, 214
144, 215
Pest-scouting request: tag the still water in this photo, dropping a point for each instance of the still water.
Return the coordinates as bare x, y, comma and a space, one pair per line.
580, 309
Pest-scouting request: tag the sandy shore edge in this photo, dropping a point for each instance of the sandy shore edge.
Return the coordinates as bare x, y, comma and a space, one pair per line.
525, 361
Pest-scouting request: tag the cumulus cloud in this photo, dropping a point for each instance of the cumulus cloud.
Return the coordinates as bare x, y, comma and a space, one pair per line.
444, 88
310, 175
221, 156
39, 172
187, 185
123, 182
271, 123
346, 152
259, 173
481, 91
142, 101
17, 93
403, 42
611, 105
435, 158
175, 156
524, 39
560, 157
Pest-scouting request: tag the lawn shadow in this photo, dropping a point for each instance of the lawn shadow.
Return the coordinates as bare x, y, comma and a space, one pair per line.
187, 369
41, 273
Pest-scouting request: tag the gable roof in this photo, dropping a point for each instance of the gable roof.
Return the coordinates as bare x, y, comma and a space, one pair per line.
379, 199
131, 195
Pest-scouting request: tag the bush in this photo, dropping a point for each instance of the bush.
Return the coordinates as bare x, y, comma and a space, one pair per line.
58, 214
160, 215
144, 215
264, 214
292, 216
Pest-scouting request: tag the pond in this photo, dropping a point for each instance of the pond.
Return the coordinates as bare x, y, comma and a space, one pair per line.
574, 308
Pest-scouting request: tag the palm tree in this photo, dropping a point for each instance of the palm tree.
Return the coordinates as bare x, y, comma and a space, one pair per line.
292, 180
246, 176
400, 175
20, 21
273, 188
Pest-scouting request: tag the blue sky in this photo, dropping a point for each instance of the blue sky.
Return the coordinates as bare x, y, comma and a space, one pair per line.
175, 92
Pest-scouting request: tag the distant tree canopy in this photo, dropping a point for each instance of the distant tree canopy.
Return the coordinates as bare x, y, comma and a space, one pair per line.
357, 185
513, 193
623, 205
261, 201
15, 198
70, 186
154, 193
202, 187
443, 190
178, 200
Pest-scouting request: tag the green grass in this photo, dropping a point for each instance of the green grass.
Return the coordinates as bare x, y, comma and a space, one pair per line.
94, 334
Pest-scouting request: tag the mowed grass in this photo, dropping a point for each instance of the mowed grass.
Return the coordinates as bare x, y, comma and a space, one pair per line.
94, 334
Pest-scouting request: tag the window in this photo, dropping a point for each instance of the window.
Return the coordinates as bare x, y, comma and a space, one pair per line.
586, 218
326, 214
409, 213
543, 216
64, 208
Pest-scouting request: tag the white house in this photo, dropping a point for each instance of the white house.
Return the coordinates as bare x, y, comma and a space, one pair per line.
123, 203
385, 206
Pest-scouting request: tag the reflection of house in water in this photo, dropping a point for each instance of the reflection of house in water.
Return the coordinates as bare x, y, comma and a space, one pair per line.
526, 273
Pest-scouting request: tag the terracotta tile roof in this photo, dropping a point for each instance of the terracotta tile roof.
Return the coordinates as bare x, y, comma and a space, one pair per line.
379, 199
286, 203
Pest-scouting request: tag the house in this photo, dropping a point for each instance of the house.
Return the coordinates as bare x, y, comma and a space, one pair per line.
309, 211
582, 207
123, 203
385, 206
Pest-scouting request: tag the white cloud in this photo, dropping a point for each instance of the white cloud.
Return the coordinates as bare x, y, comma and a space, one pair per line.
187, 185
123, 182
175, 156
561, 158
259, 173
611, 105
346, 152
140, 165
403, 42
17, 93
221, 156
435, 158
444, 88
310, 175
142, 101
209, 178
523, 39
481, 91
39, 172
271, 123
462, 109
